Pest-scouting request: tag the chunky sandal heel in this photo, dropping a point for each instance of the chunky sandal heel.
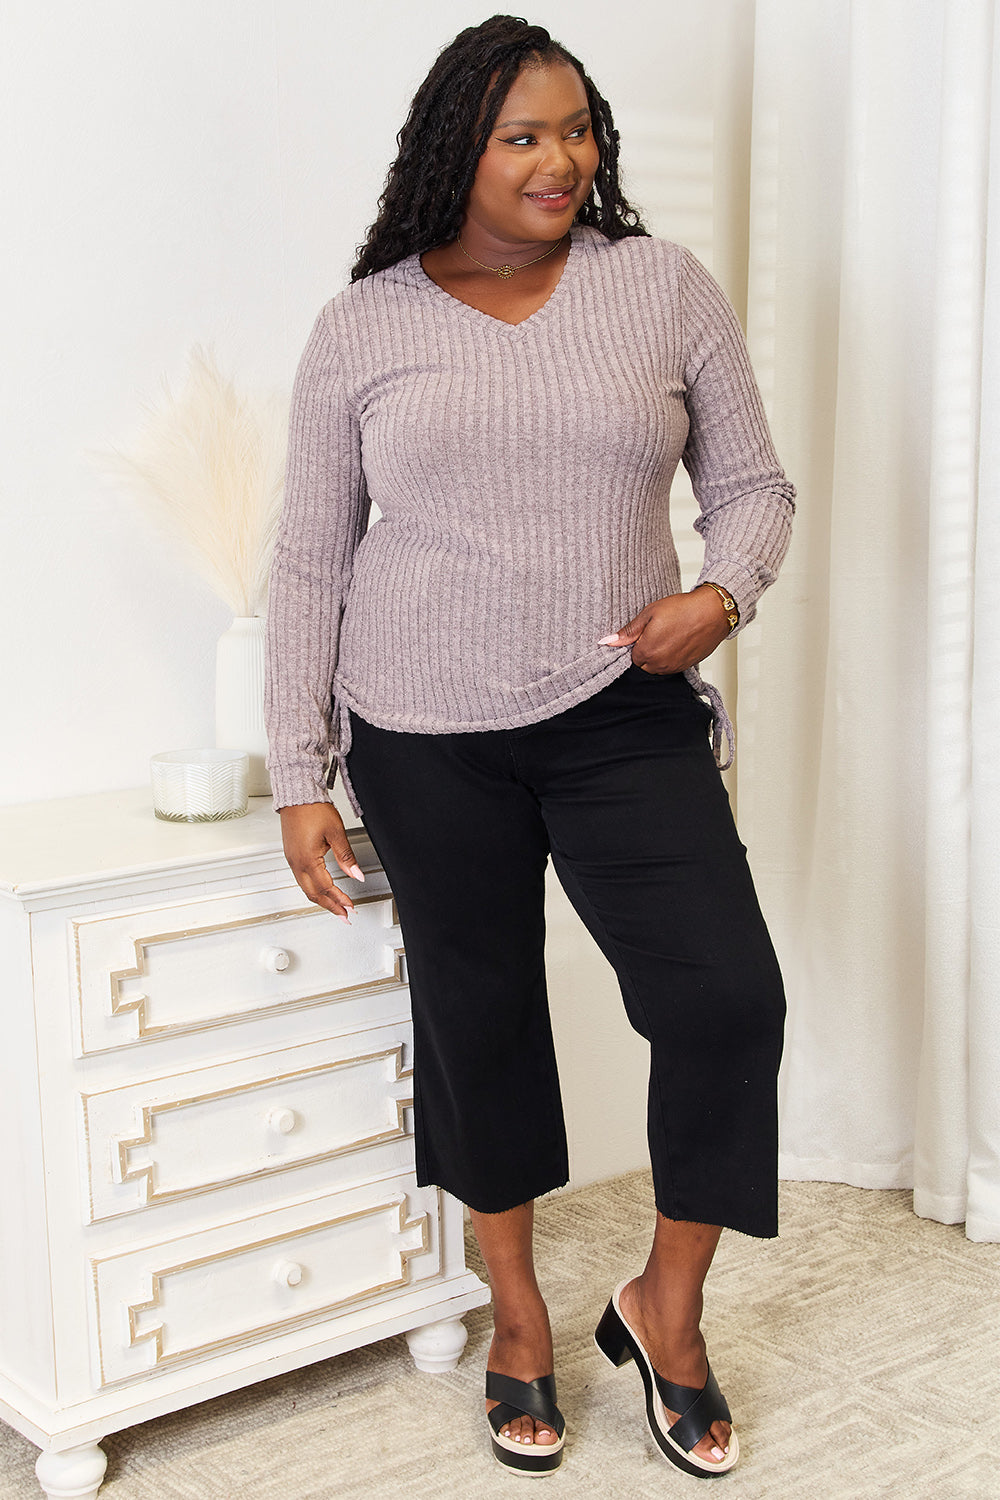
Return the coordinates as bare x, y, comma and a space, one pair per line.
612, 1339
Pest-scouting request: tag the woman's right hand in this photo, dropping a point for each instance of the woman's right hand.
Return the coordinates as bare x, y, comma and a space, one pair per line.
307, 832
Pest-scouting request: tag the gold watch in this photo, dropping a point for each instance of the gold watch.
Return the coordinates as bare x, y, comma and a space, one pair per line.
728, 602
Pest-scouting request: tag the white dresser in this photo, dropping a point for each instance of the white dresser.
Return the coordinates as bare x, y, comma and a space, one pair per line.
206, 1171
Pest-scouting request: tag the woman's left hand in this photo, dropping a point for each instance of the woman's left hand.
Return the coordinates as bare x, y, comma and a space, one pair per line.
672, 634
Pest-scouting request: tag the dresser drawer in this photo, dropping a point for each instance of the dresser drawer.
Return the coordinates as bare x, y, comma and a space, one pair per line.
188, 1298
166, 1138
160, 971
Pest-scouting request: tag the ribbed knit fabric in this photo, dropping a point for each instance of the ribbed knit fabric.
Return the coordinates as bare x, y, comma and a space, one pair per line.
523, 477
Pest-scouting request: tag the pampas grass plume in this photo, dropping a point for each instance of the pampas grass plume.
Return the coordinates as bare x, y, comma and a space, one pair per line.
209, 468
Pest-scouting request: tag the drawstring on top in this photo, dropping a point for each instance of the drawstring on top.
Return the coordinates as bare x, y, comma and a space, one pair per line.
722, 727
340, 744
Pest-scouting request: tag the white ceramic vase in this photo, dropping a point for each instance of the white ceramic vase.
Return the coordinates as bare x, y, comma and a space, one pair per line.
239, 697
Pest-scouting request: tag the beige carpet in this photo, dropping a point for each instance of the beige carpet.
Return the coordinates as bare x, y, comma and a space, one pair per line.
860, 1354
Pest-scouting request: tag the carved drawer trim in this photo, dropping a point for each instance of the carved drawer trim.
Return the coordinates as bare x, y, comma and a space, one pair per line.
270, 1113
148, 974
249, 1281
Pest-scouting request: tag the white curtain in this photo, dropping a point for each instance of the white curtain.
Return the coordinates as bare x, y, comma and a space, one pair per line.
869, 691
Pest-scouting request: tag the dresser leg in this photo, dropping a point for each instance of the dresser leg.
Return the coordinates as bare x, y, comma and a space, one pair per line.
437, 1347
74, 1474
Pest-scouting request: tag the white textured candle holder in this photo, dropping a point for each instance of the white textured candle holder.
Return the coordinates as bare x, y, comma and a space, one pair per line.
199, 786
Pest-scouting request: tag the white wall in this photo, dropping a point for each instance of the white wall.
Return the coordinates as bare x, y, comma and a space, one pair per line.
202, 173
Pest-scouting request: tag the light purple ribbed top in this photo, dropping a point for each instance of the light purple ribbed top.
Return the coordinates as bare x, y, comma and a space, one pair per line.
523, 477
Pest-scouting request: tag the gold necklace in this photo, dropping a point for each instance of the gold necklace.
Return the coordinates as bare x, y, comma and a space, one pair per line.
507, 271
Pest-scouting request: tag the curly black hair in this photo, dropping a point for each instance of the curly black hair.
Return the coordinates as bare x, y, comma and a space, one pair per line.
450, 122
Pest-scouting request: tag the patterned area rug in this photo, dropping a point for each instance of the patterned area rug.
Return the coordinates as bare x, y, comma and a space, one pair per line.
858, 1353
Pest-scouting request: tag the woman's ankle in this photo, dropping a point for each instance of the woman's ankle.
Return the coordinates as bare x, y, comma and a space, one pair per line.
673, 1313
521, 1320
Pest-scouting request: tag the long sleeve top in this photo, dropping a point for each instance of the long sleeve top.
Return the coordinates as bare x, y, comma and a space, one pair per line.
522, 474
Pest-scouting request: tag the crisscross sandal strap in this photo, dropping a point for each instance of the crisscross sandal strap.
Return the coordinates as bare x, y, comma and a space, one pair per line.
698, 1409
535, 1398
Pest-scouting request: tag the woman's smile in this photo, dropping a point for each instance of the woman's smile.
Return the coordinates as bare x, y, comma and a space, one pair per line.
552, 201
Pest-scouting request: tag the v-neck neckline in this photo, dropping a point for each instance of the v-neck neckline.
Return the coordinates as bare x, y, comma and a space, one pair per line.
513, 330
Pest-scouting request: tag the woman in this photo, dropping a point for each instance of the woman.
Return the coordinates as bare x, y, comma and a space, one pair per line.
503, 667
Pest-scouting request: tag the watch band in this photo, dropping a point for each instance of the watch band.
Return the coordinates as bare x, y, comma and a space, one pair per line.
729, 604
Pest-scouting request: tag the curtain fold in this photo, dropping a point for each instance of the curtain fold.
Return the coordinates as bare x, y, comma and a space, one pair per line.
867, 784
945, 1100
983, 1213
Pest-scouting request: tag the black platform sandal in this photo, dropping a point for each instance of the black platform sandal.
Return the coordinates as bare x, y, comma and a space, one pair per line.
699, 1409
521, 1398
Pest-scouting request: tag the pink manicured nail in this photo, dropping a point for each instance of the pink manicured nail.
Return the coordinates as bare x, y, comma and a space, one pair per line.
356, 872
717, 1453
343, 917
608, 640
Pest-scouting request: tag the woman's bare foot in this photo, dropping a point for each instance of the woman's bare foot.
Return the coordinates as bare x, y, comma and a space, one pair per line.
522, 1348
676, 1348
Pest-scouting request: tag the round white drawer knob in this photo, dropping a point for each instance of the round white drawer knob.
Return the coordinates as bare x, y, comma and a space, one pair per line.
287, 1273
275, 960
282, 1121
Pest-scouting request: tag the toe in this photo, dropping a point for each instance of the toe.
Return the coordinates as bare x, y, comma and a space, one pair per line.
509, 1428
713, 1445
524, 1429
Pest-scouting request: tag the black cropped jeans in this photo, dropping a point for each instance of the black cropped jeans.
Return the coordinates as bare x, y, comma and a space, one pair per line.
623, 791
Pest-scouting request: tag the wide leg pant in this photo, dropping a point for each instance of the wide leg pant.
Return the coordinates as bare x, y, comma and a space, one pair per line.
623, 791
